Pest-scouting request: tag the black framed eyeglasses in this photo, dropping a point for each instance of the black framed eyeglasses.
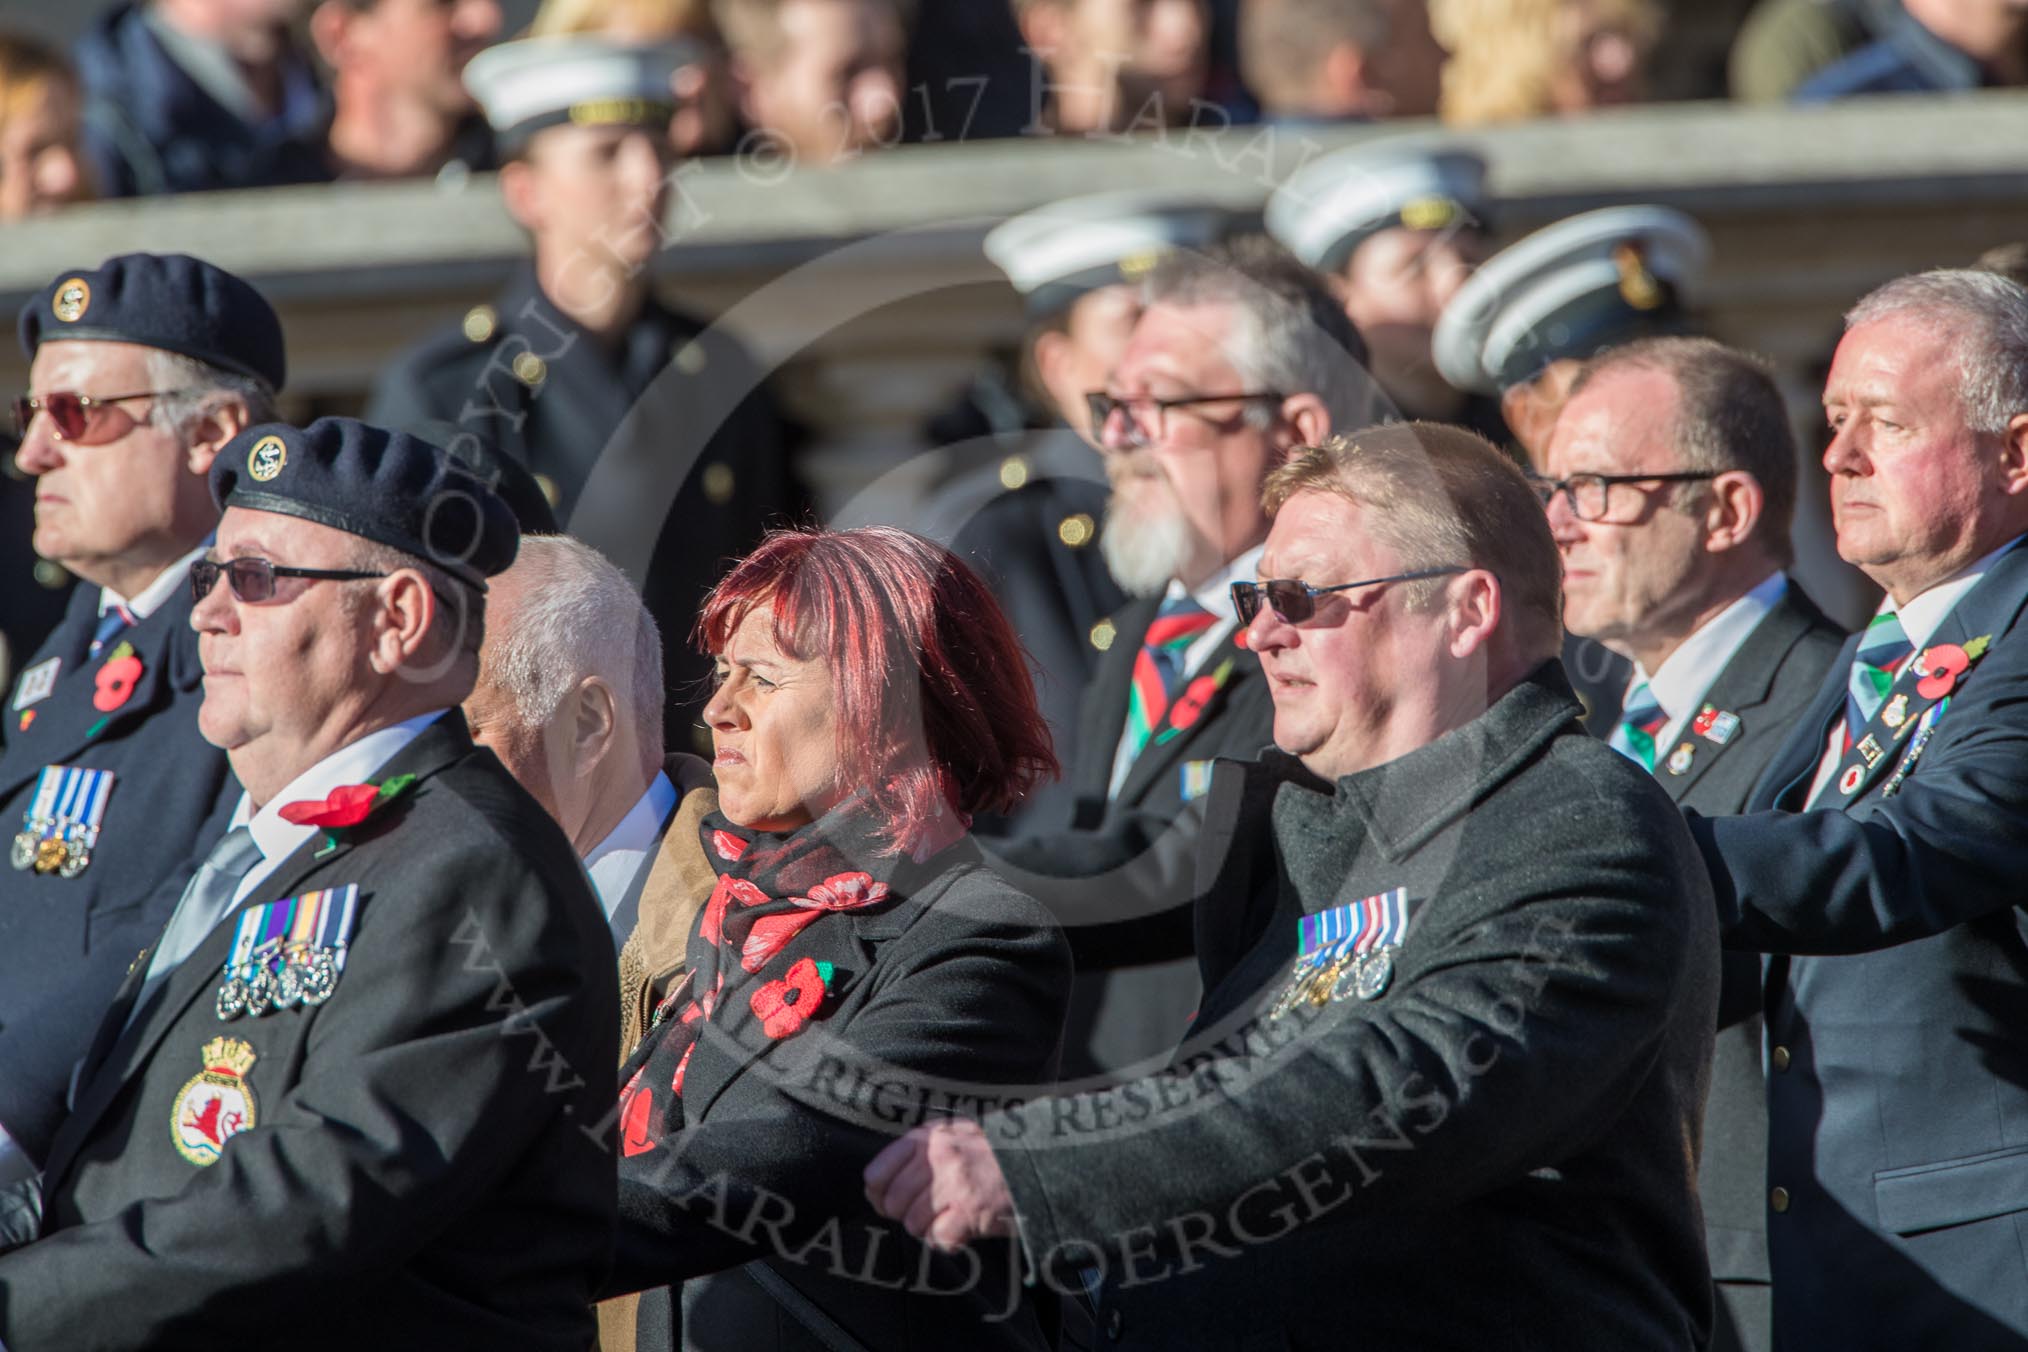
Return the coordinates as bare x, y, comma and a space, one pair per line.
1591, 495
1102, 405
77, 417
1295, 600
253, 580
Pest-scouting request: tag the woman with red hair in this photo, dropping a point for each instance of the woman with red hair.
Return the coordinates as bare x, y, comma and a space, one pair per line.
855, 969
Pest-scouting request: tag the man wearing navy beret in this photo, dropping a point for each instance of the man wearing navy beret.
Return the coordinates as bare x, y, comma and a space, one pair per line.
364, 1070
142, 369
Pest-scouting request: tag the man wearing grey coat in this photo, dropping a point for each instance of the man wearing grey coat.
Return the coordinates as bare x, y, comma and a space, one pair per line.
1446, 1087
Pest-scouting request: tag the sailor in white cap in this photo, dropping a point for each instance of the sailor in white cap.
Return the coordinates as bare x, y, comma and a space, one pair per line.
1027, 508
576, 371
1397, 225
1524, 322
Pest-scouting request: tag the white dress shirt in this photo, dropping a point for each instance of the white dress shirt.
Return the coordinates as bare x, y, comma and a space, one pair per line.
619, 863
157, 593
1688, 672
1216, 597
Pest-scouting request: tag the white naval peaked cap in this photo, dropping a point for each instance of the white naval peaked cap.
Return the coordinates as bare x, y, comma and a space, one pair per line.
1331, 205
1056, 253
1571, 289
534, 83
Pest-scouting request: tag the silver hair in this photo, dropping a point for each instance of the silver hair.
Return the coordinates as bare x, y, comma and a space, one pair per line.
578, 616
200, 387
1984, 317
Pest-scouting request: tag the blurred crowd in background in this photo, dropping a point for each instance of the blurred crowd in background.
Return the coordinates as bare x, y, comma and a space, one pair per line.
164, 96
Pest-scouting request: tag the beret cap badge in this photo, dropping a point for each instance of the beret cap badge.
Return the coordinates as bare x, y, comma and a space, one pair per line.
71, 301
266, 459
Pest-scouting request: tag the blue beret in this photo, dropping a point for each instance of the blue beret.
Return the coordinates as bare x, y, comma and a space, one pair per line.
385, 486
168, 301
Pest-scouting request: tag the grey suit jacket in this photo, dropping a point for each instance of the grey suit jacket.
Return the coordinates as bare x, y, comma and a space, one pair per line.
1495, 1150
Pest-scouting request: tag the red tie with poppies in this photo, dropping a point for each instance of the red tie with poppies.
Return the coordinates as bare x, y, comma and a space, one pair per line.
1158, 667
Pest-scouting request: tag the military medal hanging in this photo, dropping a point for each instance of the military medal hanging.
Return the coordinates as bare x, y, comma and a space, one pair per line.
288, 952
1346, 951
61, 826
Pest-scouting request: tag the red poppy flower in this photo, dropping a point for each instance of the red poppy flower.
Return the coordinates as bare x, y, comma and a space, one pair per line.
845, 891
637, 1107
729, 846
115, 683
784, 1006
1189, 706
676, 1082
729, 889
1941, 667
771, 934
348, 805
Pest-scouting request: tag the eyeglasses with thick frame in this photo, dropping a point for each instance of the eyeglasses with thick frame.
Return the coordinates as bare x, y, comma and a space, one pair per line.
1102, 405
253, 580
77, 416
1294, 600
1590, 495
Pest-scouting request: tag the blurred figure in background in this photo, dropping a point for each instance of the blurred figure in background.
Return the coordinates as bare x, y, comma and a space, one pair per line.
41, 161
1340, 60
818, 81
399, 104
1517, 59
1107, 65
2009, 260
1933, 47
1397, 226
197, 95
703, 123
1785, 42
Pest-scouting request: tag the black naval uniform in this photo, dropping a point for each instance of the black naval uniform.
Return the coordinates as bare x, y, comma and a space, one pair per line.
65, 941
675, 415
423, 1160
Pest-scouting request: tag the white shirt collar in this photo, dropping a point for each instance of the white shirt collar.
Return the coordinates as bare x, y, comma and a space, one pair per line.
615, 861
353, 763
1921, 616
157, 593
1216, 594
1688, 672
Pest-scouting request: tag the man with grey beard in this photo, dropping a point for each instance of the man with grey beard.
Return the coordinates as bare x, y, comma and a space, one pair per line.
1240, 355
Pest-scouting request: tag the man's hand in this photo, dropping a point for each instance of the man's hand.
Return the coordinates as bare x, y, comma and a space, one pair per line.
943, 1184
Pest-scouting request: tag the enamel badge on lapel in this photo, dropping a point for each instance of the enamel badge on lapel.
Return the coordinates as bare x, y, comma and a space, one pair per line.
1715, 725
288, 952
1679, 759
36, 683
1895, 714
1848, 783
61, 826
216, 1104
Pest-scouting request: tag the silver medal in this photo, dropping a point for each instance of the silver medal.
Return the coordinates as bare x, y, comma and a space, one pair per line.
1373, 973
22, 856
260, 993
320, 977
76, 858
288, 985
232, 998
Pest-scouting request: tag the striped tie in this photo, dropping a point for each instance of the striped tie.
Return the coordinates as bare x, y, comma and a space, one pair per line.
115, 619
1158, 667
1641, 719
1881, 653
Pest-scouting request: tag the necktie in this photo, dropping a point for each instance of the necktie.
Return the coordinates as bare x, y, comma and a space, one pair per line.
1641, 720
115, 619
1158, 667
1881, 652
206, 900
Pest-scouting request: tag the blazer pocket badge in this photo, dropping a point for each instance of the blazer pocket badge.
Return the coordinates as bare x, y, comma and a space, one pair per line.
288, 952
216, 1104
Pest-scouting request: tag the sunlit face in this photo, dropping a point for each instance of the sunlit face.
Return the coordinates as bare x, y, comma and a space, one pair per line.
1159, 49
1915, 494
774, 731
1199, 481
1604, 59
41, 165
1097, 329
133, 496
1397, 283
833, 87
279, 673
597, 193
421, 47
1530, 408
1632, 574
537, 755
1408, 69
1337, 677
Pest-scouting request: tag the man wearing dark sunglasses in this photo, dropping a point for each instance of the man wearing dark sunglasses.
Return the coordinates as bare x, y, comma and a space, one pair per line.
1459, 966
1674, 481
141, 369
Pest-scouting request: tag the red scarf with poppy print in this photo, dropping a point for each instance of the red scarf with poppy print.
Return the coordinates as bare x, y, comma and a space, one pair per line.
771, 887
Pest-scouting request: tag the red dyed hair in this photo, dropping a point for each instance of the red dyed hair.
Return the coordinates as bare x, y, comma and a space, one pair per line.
935, 707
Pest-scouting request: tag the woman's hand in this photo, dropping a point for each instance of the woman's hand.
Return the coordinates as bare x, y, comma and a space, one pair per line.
943, 1184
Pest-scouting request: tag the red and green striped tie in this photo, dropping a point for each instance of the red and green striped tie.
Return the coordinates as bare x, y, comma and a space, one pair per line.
1641, 721
1158, 667
1879, 659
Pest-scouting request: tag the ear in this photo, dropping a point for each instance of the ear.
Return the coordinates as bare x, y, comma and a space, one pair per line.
1051, 348
1474, 609
1306, 418
1342, 75
408, 612
330, 23
225, 420
2014, 456
594, 725
1733, 513
521, 195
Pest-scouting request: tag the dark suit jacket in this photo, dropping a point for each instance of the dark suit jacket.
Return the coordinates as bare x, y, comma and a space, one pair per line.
953, 992
1898, 1102
1120, 879
427, 1159
64, 942
1495, 1151
1772, 676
